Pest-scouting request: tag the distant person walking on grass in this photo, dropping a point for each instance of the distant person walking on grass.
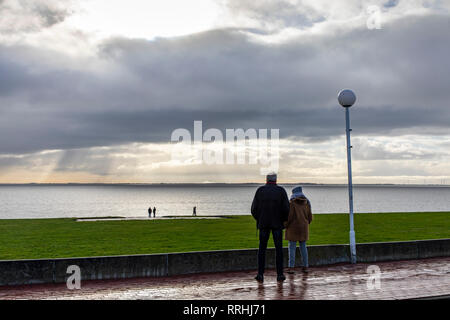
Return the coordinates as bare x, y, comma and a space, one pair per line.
297, 227
154, 212
270, 208
149, 212
194, 211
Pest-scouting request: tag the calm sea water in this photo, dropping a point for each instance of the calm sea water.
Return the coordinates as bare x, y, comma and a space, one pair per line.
55, 201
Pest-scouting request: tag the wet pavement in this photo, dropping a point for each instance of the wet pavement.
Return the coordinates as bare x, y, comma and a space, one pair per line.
395, 280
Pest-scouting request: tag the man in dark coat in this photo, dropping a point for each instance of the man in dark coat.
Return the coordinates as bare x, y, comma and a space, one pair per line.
270, 208
150, 212
154, 212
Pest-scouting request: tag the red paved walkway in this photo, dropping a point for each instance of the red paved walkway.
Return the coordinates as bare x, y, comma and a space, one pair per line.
399, 280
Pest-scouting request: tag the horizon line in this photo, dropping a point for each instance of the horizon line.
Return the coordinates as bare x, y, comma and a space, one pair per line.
218, 183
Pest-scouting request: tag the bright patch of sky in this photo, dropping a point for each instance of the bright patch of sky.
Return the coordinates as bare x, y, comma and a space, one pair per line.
144, 19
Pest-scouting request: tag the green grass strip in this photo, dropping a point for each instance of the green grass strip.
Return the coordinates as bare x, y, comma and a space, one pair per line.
57, 238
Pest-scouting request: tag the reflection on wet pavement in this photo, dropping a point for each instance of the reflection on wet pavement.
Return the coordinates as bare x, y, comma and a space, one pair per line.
398, 280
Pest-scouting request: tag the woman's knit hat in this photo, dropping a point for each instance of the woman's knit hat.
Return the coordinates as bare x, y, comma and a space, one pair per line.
297, 192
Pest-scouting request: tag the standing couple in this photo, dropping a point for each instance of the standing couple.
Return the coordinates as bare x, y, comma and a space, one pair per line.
273, 212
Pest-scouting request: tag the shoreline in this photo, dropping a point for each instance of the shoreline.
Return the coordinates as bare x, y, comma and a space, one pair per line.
220, 184
190, 217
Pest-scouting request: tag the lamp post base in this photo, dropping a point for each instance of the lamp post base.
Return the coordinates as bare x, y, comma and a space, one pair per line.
352, 247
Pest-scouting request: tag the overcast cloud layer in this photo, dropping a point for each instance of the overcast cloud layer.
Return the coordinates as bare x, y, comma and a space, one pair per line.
276, 65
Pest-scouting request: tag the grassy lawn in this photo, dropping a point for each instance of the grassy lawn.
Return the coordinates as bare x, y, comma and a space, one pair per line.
55, 238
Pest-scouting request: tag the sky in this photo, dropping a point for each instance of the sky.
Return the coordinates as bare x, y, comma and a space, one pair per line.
92, 90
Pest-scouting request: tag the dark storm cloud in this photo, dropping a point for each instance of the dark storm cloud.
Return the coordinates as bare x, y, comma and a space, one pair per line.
32, 15
139, 91
276, 13
391, 3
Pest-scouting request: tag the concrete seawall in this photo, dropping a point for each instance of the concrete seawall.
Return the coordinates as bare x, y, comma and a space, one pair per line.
17, 272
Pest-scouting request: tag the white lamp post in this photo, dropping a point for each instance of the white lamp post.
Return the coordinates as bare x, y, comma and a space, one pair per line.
346, 99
